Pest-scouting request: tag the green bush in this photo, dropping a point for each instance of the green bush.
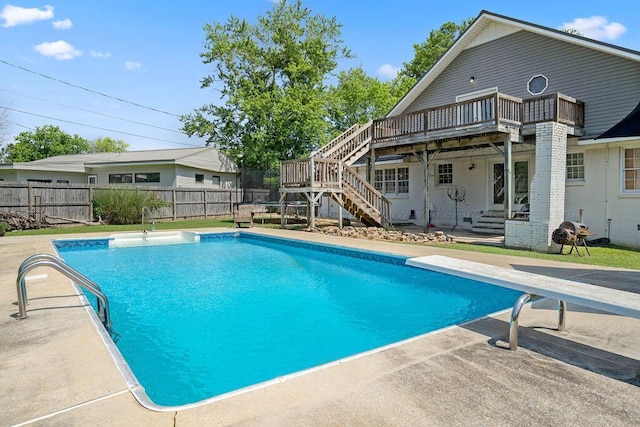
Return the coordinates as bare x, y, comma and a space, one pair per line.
118, 205
4, 227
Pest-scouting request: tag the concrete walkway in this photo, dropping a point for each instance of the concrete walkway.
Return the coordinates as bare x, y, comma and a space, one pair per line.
55, 369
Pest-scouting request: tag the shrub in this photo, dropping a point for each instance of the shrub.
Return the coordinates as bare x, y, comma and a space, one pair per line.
4, 227
117, 205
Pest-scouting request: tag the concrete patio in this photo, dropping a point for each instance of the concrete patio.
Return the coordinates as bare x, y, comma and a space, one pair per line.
55, 369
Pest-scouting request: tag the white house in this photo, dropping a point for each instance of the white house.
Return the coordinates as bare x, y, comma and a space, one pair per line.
516, 116
182, 167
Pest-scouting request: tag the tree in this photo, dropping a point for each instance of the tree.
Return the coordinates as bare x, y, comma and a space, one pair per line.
572, 31
358, 98
427, 54
45, 141
4, 126
272, 75
107, 145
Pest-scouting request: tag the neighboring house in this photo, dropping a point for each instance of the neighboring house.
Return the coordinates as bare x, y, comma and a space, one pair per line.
519, 116
183, 167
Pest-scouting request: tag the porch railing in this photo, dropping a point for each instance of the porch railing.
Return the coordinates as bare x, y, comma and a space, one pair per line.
488, 110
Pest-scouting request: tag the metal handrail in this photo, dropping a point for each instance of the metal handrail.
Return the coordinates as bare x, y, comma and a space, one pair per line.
47, 260
153, 221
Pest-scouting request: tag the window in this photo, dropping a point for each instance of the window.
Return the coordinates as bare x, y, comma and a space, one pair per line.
378, 179
92, 179
199, 178
392, 181
148, 177
575, 166
215, 180
42, 181
120, 178
632, 169
537, 84
403, 180
445, 174
521, 176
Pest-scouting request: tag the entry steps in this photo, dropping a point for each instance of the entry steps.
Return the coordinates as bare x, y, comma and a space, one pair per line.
489, 222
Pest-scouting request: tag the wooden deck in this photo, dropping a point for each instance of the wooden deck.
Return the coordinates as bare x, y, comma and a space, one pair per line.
484, 115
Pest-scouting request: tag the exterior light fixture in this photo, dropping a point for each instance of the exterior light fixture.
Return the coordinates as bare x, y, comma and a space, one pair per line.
472, 80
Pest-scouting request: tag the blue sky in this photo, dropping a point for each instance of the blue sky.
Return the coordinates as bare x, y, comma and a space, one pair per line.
147, 53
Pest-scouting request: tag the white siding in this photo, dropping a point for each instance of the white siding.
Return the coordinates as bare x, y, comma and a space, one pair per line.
601, 197
54, 177
186, 177
165, 171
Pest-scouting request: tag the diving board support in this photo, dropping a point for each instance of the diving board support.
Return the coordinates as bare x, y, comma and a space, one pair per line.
565, 291
515, 314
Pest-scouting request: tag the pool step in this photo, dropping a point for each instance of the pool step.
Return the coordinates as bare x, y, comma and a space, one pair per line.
152, 238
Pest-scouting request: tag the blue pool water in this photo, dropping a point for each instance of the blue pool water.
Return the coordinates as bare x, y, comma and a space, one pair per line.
200, 319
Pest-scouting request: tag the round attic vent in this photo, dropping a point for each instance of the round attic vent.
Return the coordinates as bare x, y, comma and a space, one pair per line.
537, 84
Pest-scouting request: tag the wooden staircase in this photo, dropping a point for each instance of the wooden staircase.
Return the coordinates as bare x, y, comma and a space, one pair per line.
329, 170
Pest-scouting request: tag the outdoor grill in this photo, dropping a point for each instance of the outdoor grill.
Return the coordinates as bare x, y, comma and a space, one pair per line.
571, 233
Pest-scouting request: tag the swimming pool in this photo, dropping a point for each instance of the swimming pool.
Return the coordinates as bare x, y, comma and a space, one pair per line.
202, 319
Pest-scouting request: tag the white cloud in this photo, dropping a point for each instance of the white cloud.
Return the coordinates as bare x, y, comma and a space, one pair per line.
388, 71
102, 55
58, 50
596, 27
132, 66
16, 15
65, 24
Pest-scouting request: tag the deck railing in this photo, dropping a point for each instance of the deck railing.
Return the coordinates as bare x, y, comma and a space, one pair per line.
488, 110
317, 173
311, 172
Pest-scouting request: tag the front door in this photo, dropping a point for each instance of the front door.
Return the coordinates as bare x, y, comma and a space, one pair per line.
520, 185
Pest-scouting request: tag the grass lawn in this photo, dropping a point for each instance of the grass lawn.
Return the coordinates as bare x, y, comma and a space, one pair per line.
610, 256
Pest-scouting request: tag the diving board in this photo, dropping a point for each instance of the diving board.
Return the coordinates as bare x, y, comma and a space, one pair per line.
535, 285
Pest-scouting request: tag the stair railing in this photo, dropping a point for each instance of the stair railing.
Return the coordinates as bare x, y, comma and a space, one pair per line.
372, 198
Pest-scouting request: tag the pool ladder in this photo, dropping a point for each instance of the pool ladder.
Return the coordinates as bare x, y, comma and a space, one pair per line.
153, 221
47, 260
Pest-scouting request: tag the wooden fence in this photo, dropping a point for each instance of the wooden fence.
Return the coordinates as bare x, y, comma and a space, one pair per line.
74, 201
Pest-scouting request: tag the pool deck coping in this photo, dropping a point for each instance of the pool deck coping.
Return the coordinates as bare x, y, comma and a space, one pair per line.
44, 381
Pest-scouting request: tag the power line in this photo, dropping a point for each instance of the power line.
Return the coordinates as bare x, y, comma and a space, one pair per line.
92, 112
18, 124
86, 89
100, 128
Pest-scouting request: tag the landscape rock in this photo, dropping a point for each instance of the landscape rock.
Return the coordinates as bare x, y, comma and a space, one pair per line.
378, 233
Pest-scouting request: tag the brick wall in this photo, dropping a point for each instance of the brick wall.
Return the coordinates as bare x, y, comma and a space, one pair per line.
546, 193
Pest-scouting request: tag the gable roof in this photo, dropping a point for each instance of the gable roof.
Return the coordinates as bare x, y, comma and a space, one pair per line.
206, 158
490, 26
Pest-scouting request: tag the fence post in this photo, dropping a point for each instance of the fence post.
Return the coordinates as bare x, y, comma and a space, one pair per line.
29, 199
90, 203
205, 202
173, 196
